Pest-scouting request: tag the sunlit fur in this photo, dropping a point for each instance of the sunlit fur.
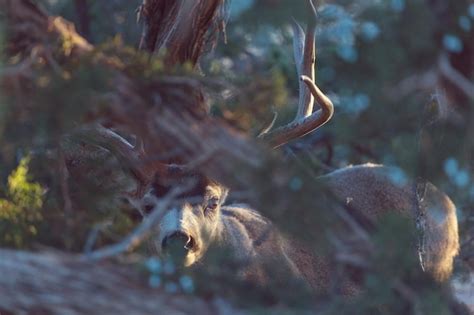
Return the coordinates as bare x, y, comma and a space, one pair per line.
192, 219
372, 190
369, 189
251, 237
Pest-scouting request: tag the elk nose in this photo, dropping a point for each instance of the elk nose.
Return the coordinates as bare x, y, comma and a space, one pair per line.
179, 240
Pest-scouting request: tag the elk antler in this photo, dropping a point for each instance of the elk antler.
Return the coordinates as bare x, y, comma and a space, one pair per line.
132, 158
305, 120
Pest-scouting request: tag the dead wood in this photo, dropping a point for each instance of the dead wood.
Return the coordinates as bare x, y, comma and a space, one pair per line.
183, 28
53, 283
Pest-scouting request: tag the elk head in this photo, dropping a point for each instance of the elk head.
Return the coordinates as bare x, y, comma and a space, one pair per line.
192, 221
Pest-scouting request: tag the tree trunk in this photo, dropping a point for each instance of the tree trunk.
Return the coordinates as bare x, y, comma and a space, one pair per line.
184, 28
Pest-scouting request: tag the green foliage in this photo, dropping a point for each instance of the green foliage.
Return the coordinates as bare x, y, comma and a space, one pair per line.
374, 122
121, 18
20, 209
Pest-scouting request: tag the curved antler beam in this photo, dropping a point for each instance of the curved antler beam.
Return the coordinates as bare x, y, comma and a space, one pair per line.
305, 120
132, 158
301, 127
305, 57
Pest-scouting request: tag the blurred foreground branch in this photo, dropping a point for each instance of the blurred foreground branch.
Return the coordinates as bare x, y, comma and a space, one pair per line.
51, 283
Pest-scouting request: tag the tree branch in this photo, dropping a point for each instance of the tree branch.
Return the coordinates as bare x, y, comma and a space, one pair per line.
455, 77
141, 232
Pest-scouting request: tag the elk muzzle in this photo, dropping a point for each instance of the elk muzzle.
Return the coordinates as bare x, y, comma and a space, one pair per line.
179, 239
178, 245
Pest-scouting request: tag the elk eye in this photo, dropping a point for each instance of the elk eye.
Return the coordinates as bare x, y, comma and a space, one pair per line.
148, 208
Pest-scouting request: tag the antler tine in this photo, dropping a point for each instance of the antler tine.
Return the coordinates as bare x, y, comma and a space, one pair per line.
305, 99
128, 155
298, 46
305, 60
305, 121
299, 128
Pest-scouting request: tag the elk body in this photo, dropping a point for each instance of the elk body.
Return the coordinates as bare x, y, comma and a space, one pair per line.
371, 191
199, 218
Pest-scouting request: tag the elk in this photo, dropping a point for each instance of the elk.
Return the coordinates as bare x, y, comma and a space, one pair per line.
199, 219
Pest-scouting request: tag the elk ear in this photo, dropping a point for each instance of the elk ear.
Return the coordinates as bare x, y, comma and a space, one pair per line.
224, 193
218, 189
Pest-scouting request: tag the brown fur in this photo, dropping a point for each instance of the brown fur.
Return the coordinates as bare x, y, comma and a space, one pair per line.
371, 191
368, 192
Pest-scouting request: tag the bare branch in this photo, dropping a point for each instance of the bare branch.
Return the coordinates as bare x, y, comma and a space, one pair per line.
413, 83
141, 232
65, 191
94, 234
455, 77
355, 227
409, 295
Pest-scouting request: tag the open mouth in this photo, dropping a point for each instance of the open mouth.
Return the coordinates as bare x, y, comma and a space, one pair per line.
179, 244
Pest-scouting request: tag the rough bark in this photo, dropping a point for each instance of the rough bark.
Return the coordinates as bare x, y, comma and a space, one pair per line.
183, 28
53, 283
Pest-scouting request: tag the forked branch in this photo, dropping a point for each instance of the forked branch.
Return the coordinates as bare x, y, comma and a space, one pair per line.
140, 233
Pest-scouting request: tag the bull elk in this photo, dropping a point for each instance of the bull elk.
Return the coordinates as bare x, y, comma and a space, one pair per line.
199, 218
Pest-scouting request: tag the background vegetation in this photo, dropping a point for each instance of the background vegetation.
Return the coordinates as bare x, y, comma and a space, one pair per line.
379, 61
